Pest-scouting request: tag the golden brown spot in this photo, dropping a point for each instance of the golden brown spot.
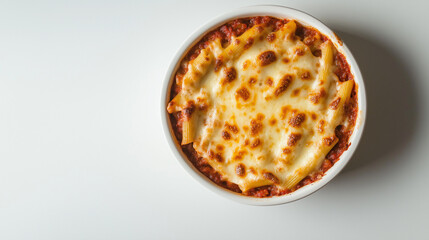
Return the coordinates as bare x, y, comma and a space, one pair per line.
334, 104
295, 92
226, 135
239, 155
216, 156
286, 60
252, 80
315, 97
240, 170
329, 140
249, 43
246, 142
321, 126
219, 147
271, 177
286, 150
299, 52
255, 127
252, 170
230, 75
313, 116
272, 121
232, 128
242, 93
188, 110
259, 29
218, 64
267, 57
271, 37
246, 64
255, 143
284, 111
306, 75
283, 84
269, 81
293, 139
296, 119
237, 41
260, 116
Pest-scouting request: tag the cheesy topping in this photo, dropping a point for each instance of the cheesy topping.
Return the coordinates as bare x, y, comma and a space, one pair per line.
263, 110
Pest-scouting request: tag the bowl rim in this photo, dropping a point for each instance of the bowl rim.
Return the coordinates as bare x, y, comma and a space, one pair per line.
280, 12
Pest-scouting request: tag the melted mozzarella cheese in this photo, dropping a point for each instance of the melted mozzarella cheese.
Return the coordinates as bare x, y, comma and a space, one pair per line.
259, 125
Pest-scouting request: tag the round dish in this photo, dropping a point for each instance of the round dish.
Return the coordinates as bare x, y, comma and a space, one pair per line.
279, 12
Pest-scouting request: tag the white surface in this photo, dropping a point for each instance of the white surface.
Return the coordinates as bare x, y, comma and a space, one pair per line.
82, 155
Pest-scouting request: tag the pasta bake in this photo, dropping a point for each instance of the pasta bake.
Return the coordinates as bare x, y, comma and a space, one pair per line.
263, 106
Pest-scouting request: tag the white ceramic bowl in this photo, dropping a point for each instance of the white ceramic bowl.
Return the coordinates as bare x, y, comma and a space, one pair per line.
279, 12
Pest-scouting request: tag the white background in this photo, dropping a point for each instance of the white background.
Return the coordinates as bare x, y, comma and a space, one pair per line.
83, 156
